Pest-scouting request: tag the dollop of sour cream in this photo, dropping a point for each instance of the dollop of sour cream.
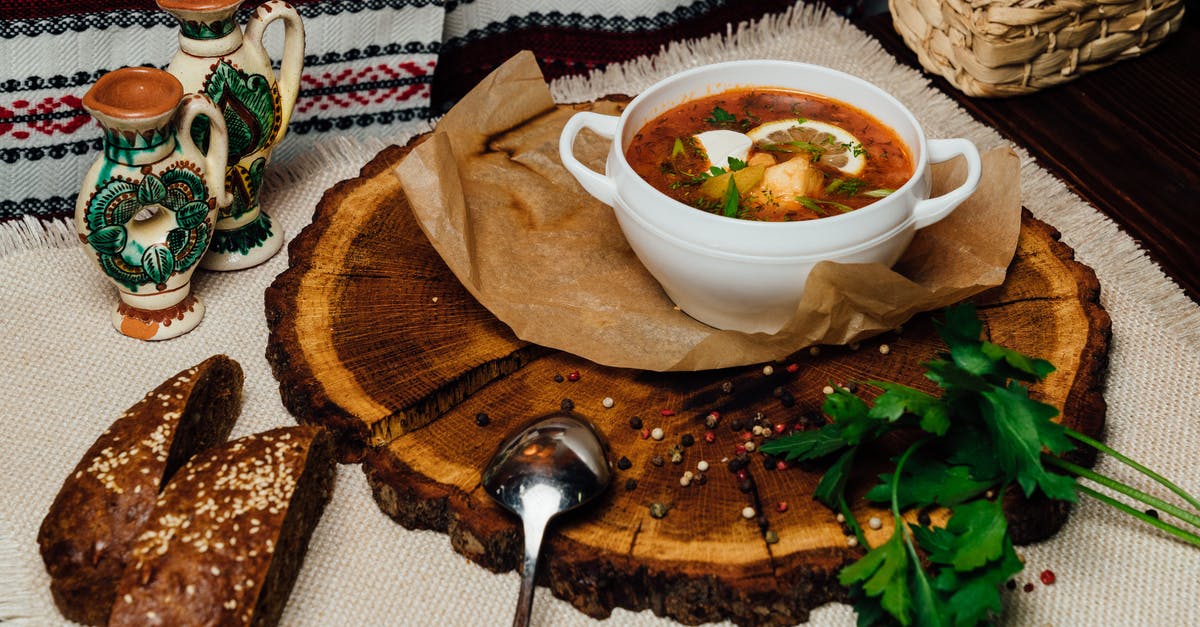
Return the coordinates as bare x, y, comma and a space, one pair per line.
720, 145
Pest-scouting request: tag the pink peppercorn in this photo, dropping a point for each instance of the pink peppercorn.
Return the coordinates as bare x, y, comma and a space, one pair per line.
1027, 587
1048, 577
781, 507
793, 368
710, 437
573, 375
742, 475
667, 412
645, 434
781, 465
780, 428
746, 436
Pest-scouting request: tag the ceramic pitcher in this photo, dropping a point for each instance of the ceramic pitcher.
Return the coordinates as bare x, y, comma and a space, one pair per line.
148, 206
233, 68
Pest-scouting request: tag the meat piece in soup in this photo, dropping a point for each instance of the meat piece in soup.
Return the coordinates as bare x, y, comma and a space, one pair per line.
808, 157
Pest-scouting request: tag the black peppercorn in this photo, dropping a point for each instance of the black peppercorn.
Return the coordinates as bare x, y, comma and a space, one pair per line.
558, 378
687, 439
567, 404
482, 419
630, 485
635, 422
624, 463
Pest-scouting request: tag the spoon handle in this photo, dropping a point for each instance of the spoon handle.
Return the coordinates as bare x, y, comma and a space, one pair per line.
535, 528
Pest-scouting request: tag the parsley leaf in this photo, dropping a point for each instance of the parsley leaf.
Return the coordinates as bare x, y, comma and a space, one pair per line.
930, 481
721, 117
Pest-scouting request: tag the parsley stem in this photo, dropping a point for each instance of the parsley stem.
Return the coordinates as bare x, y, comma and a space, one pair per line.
1134, 493
1181, 534
852, 522
1100, 446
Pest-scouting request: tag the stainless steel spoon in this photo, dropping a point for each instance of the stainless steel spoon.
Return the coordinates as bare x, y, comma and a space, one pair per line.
555, 464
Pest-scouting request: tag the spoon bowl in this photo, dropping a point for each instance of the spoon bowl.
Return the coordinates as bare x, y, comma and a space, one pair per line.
554, 464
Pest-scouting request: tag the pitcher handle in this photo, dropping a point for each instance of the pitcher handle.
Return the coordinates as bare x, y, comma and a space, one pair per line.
598, 185
933, 209
217, 157
292, 64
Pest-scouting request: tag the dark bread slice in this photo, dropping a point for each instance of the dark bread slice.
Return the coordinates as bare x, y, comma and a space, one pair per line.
228, 535
102, 506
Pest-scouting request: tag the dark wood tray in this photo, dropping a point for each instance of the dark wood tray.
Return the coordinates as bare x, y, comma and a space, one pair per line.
372, 336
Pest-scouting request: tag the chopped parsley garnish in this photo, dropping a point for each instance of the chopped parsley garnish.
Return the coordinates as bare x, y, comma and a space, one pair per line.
819, 205
721, 117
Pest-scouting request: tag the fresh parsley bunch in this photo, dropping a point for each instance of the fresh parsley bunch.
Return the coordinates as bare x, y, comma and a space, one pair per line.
982, 435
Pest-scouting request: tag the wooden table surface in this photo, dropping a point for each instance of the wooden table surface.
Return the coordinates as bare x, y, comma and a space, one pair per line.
1126, 138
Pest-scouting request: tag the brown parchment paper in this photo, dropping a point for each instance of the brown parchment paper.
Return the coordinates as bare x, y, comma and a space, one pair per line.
546, 258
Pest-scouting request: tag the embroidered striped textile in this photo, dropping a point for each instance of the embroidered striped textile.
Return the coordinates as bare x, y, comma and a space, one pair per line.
371, 66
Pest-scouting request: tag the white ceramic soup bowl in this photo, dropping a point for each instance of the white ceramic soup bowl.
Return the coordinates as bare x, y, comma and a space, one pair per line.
746, 275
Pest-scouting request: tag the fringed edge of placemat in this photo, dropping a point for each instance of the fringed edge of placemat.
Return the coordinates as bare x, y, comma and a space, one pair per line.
1119, 261
28, 232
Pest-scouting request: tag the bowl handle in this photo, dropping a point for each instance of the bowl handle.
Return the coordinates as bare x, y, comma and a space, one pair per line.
596, 184
933, 209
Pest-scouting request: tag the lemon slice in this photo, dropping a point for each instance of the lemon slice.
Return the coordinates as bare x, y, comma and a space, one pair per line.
837, 147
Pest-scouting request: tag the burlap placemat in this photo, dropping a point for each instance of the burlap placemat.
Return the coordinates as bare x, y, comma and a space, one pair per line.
67, 375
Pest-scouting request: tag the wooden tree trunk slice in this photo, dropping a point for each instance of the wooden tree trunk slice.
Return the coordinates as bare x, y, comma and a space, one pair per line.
372, 336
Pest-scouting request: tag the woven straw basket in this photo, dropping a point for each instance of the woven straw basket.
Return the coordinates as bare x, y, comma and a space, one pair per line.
1011, 47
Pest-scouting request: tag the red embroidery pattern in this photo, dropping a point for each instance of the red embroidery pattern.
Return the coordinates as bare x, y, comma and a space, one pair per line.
389, 77
39, 117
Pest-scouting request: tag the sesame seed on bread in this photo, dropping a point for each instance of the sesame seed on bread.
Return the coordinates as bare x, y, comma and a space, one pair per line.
103, 504
228, 535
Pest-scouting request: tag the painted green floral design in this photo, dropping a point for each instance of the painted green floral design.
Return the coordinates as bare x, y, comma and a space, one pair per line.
244, 238
251, 106
199, 29
179, 190
243, 184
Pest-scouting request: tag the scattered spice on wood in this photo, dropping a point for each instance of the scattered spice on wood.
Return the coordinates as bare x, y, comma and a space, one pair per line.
608, 402
482, 419
657, 433
884, 349
658, 460
748, 512
630, 485
710, 437
768, 370
727, 387
687, 439
667, 413
712, 419
702, 466
624, 463
781, 507
573, 376
567, 404
635, 422
814, 351
658, 510
771, 537
558, 378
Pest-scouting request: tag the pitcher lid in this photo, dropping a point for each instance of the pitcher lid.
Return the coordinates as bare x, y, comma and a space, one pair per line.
197, 5
134, 92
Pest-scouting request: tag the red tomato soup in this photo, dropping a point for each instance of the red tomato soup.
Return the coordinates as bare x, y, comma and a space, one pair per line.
781, 155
